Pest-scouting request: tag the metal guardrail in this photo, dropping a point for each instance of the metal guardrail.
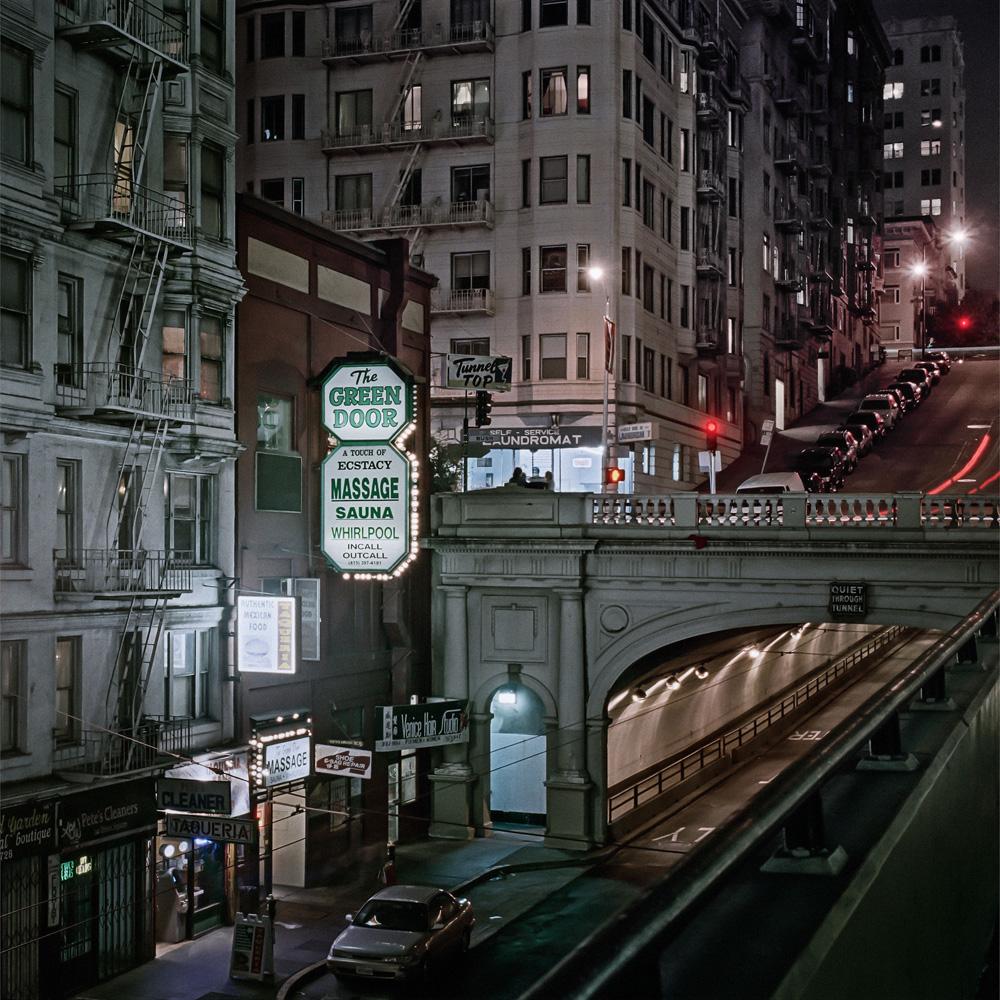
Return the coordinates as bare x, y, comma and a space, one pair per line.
103, 385
601, 963
105, 198
457, 213
132, 18
462, 300
367, 44
112, 753
121, 571
458, 127
651, 786
814, 510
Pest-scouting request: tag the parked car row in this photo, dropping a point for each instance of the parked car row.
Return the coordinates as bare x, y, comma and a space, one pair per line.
823, 467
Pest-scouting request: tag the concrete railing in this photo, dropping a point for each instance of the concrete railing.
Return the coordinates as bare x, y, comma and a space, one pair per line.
509, 509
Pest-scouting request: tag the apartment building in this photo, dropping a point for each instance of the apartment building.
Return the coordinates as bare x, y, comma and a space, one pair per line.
524, 149
812, 202
118, 290
912, 261
924, 137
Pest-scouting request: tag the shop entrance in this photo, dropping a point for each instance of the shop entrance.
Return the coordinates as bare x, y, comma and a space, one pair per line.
517, 757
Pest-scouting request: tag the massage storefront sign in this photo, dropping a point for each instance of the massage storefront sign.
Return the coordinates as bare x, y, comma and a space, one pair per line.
369, 501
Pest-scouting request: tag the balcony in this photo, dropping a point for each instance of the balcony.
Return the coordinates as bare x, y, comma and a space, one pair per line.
710, 186
786, 161
405, 218
819, 218
462, 301
394, 135
153, 743
789, 335
787, 220
807, 45
822, 324
470, 36
102, 203
710, 48
789, 103
116, 28
709, 111
114, 574
778, 9
732, 367
707, 341
789, 280
819, 165
866, 214
121, 392
709, 265
736, 88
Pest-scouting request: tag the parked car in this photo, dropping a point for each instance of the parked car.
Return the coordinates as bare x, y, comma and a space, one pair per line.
918, 376
932, 369
912, 393
884, 404
940, 358
862, 434
773, 482
901, 401
822, 469
402, 932
846, 442
873, 420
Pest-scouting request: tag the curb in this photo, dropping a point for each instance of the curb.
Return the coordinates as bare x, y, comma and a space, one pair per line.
309, 972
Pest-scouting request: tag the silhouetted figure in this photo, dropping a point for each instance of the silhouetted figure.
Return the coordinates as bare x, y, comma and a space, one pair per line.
518, 478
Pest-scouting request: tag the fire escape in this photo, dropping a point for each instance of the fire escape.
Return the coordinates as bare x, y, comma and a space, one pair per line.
409, 132
145, 47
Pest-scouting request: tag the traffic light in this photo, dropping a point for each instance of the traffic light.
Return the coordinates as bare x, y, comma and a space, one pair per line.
613, 475
964, 322
484, 403
712, 435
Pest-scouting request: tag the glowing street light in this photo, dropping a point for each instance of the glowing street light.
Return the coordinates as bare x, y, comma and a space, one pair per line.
919, 269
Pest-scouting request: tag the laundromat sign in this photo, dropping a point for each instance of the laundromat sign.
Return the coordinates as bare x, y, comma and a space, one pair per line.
369, 499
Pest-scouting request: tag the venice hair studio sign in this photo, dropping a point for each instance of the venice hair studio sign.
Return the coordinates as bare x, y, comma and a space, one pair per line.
369, 480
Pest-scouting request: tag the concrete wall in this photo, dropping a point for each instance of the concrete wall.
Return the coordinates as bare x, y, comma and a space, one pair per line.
940, 884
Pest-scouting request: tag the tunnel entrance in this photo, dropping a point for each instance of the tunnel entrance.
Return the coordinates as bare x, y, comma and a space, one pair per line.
517, 757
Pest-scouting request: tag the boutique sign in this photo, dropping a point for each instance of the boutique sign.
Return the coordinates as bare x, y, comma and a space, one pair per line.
369, 501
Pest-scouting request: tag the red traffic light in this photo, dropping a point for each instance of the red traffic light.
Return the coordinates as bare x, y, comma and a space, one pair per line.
613, 475
712, 435
964, 322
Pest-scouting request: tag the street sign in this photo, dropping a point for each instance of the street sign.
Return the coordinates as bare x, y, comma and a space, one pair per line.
431, 724
343, 762
186, 795
635, 432
224, 828
704, 459
479, 372
848, 600
766, 432
532, 438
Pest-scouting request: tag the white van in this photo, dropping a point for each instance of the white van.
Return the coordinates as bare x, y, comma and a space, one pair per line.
773, 482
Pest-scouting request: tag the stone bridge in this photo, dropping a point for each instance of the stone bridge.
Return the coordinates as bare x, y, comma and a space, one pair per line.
559, 594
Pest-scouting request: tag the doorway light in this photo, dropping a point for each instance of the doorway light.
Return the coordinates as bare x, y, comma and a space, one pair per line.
507, 697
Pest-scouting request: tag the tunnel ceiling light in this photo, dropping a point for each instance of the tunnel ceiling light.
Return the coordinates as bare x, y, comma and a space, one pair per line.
673, 682
639, 694
701, 673
507, 697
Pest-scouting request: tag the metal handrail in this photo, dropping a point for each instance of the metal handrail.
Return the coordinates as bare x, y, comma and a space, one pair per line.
651, 786
462, 300
158, 31
105, 384
409, 133
368, 44
457, 213
103, 197
121, 571
110, 753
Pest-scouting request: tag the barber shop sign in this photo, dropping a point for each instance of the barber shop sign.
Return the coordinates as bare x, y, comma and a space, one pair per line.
369, 479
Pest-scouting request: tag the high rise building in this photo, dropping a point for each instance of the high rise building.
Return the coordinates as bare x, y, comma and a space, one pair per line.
521, 147
812, 201
924, 136
119, 283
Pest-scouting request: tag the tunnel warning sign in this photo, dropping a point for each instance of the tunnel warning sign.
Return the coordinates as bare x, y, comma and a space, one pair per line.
848, 600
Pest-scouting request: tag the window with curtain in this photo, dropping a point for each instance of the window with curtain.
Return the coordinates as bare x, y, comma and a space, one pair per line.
554, 95
353, 192
553, 269
189, 521
583, 90
470, 100
67, 540
552, 355
188, 665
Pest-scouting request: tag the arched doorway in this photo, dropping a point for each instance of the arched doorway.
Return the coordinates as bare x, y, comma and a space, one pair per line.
517, 756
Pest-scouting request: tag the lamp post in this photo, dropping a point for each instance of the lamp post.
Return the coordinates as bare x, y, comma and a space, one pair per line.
919, 270
596, 273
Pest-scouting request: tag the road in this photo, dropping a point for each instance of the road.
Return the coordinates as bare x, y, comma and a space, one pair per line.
542, 922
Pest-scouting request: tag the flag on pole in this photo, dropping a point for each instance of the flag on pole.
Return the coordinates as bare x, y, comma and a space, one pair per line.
609, 345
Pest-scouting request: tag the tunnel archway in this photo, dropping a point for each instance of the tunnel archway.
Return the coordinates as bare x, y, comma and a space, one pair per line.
518, 765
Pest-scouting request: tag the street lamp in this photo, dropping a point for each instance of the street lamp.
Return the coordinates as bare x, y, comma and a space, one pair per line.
919, 270
596, 273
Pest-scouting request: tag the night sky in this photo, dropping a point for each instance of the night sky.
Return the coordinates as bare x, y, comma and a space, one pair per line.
979, 24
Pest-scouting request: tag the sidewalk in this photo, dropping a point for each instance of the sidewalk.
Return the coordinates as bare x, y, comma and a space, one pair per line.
802, 433
309, 919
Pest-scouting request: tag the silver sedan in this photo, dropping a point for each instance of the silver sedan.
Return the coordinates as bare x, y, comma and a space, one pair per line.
402, 932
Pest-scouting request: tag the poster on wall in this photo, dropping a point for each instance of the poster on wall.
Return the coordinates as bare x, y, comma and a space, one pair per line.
266, 635
368, 481
432, 724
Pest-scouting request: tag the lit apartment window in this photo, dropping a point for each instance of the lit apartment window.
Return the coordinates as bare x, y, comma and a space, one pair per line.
552, 355
470, 100
66, 729
354, 111
526, 83
174, 344
553, 269
554, 95
210, 336
930, 147
685, 149
930, 118
892, 91
892, 150
15, 104
583, 90
930, 206
685, 73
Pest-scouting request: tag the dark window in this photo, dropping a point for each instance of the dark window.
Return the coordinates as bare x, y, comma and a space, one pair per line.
552, 180
15, 312
670, 140
354, 25
670, 220
627, 15
248, 133
685, 228
525, 183
470, 270
626, 182
298, 116
552, 355
647, 120
272, 35
526, 272
648, 38
897, 57
553, 269
470, 183
15, 105
250, 36
213, 35
188, 518
69, 330
583, 11
213, 192
552, 13
354, 110
583, 179
583, 355
526, 78
626, 276
526, 358
526, 15
626, 93
298, 32
647, 288
272, 118
273, 191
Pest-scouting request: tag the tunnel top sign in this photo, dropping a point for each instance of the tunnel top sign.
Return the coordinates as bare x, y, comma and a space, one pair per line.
367, 401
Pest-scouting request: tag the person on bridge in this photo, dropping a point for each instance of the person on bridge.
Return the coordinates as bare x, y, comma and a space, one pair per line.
518, 478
